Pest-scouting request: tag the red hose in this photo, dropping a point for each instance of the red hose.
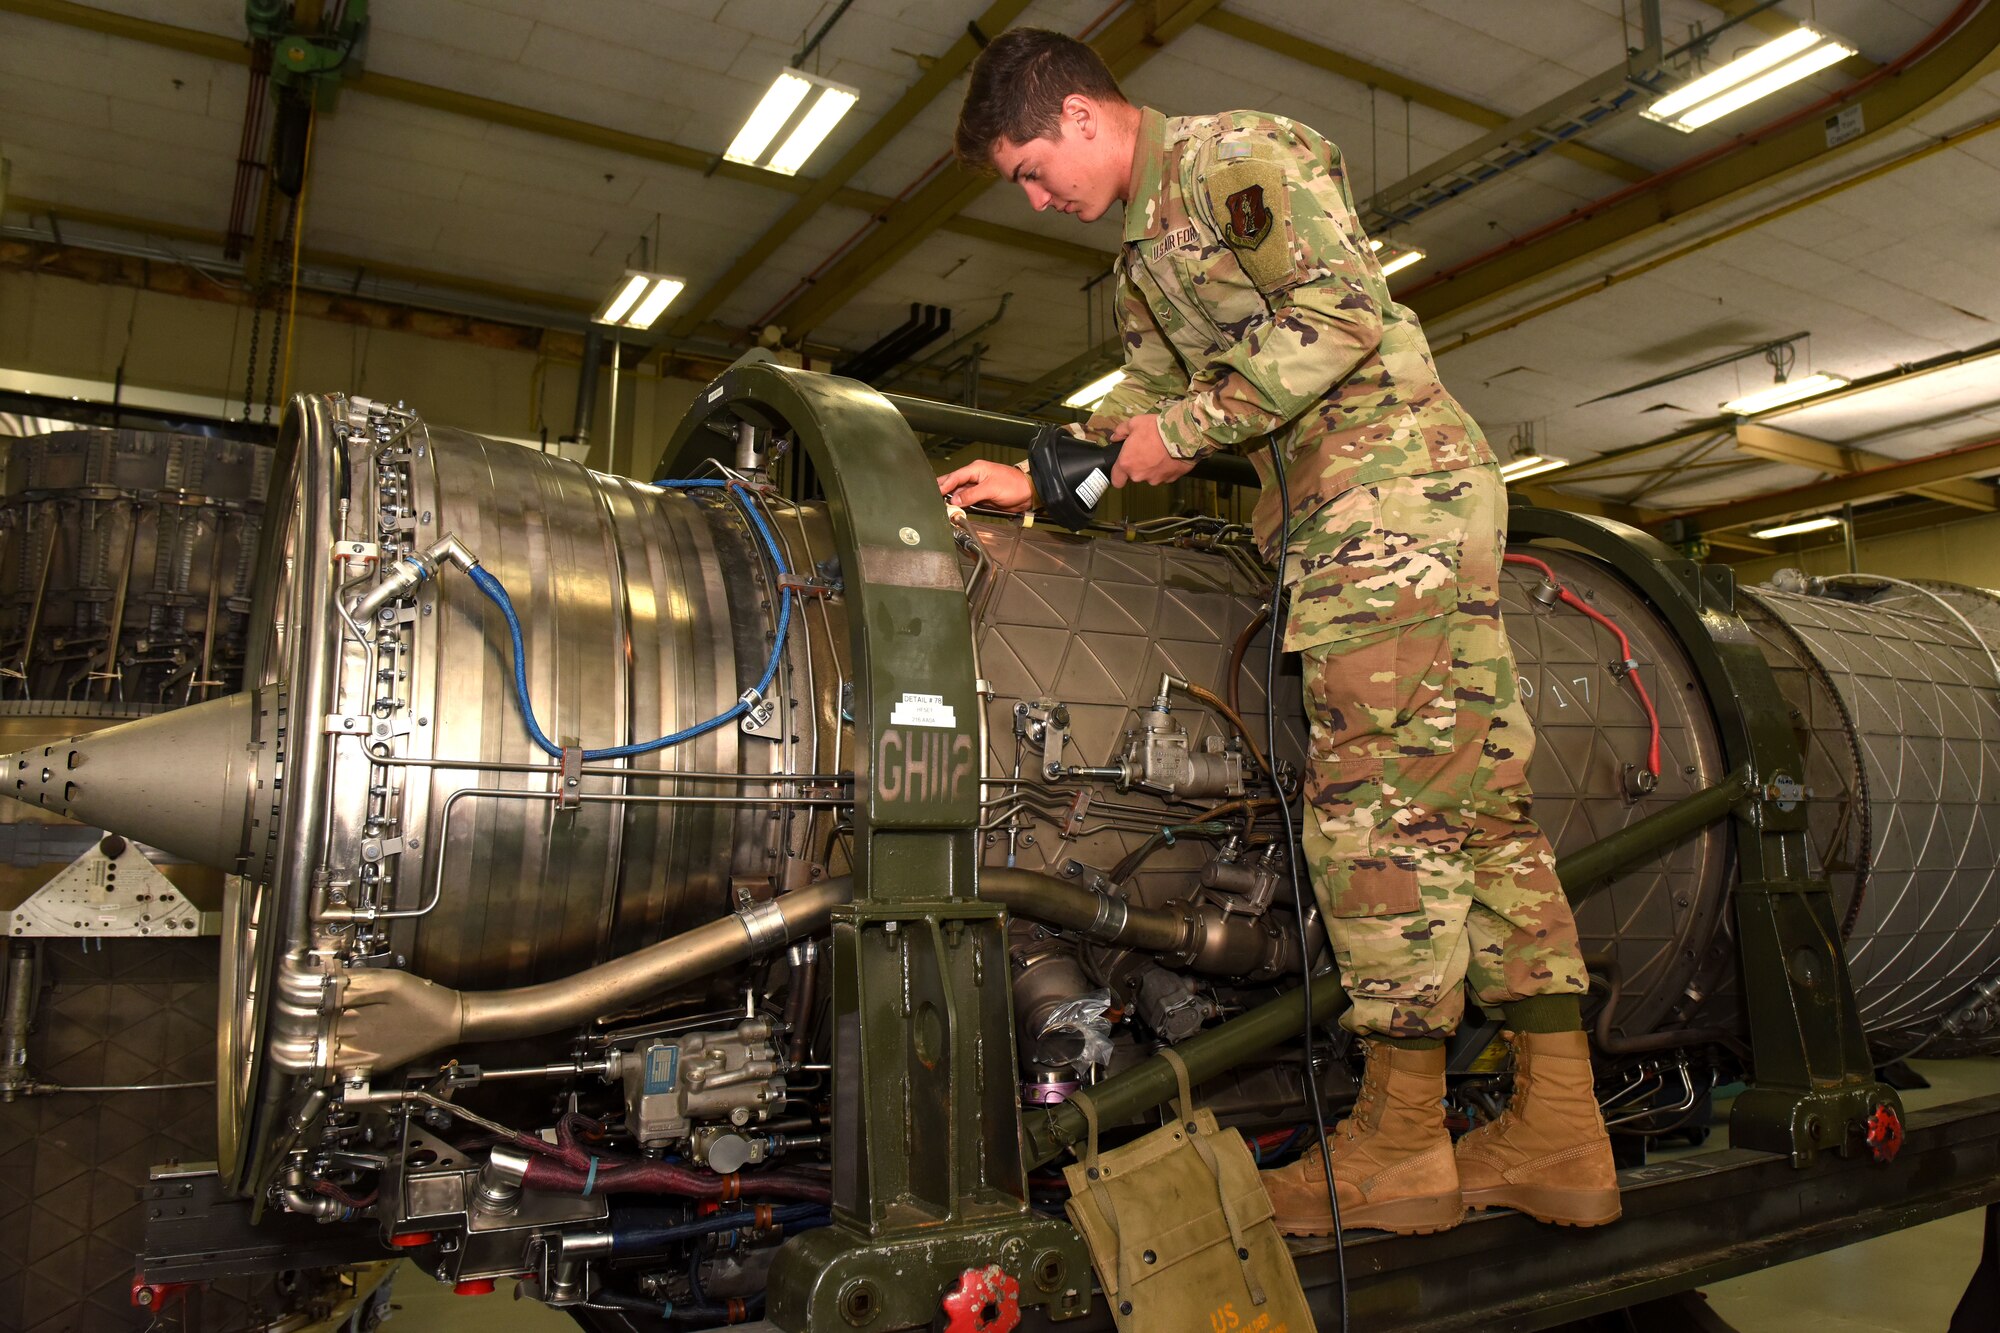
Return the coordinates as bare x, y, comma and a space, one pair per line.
567, 1165
631, 1175
1624, 649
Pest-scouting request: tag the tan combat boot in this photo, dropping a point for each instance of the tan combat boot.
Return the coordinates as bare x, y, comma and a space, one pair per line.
1392, 1159
1547, 1155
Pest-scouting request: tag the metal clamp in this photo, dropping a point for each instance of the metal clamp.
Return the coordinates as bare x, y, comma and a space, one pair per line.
757, 710
569, 787
809, 586
363, 553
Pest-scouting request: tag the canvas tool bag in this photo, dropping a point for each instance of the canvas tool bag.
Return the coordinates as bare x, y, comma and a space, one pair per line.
1181, 1231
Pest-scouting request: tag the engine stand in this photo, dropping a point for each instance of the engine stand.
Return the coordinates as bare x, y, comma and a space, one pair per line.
1815, 1085
929, 1191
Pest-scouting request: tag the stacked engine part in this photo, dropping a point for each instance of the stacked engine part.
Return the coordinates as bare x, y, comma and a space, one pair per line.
126, 560
545, 787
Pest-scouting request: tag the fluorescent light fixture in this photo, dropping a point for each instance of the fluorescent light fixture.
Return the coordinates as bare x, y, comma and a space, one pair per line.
1530, 465
780, 105
1757, 73
818, 123
1820, 524
639, 300
1397, 263
662, 295
624, 299
1095, 392
1785, 391
787, 91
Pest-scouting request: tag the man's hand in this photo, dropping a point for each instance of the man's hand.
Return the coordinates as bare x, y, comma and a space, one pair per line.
995, 485
1145, 457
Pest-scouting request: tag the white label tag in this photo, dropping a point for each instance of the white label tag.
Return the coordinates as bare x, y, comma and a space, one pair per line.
1091, 489
1843, 125
923, 710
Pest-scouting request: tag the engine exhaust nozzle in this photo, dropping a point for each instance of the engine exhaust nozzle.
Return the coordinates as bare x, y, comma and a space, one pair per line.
183, 781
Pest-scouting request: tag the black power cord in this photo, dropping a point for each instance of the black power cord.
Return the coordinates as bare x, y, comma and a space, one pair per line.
1276, 623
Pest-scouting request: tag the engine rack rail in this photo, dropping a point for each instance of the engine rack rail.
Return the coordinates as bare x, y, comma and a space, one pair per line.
1688, 1221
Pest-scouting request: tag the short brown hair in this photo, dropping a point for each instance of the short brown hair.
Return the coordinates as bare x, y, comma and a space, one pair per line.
1017, 89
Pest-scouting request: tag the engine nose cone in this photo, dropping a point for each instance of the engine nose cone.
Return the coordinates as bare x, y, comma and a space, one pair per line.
180, 781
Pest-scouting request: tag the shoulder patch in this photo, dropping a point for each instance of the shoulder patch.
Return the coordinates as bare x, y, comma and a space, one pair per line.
1234, 148
1247, 200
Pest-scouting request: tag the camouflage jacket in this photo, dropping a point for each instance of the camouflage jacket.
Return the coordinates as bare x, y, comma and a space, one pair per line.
1251, 306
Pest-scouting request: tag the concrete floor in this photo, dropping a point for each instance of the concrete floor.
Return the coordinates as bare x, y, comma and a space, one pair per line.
1906, 1282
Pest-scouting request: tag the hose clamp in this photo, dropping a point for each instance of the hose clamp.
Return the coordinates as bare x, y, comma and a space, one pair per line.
1112, 914
764, 923
569, 787
757, 710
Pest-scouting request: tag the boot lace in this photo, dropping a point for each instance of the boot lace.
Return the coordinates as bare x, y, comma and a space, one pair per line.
1374, 1080
1523, 1083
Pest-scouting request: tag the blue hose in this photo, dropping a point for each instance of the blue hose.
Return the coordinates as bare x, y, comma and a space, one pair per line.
496, 592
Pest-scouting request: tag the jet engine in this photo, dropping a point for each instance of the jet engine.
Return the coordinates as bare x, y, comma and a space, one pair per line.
663, 894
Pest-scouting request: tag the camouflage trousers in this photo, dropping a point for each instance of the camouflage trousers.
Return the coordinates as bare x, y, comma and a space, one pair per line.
1428, 866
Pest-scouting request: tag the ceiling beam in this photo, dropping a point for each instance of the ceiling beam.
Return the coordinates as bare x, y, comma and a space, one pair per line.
234, 51
555, 304
935, 79
100, 267
1970, 461
1397, 85
1784, 446
1792, 144
1127, 42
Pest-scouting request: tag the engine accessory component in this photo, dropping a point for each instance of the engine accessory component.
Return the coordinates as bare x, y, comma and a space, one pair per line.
671, 1084
1161, 757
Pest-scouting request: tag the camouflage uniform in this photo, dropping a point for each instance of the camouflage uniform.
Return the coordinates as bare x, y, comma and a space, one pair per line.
1252, 309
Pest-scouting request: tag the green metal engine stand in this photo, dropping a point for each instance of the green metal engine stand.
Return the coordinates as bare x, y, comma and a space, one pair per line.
1815, 1082
928, 1176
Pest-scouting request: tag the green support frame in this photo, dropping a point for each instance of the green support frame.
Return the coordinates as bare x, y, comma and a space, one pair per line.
928, 1175
1815, 1084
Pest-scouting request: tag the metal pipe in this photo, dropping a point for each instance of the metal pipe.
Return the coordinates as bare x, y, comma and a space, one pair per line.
804, 960
586, 382
1125, 1096
1585, 870
1202, 936
209, 626
41, 595
117, 625
611, 436
15, 1018
1097, 916
611, 771
389, 1018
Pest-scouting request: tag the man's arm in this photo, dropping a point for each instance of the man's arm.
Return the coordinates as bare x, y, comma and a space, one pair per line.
1322, 293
